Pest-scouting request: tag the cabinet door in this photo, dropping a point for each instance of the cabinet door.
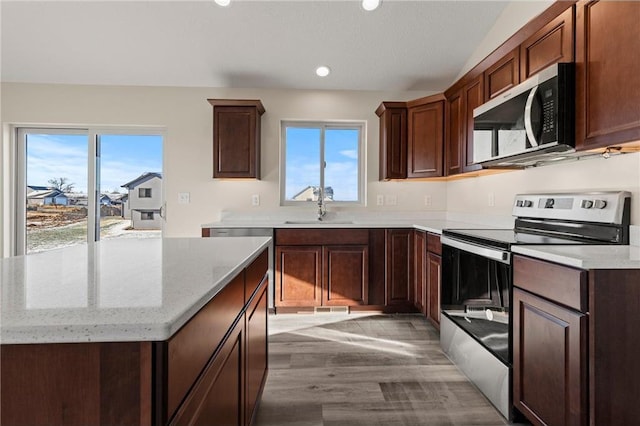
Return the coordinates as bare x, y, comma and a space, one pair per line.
455, 139
551, 44
474, 97
399, 286
549, 361
607, 73
346, 275
426, 140
502, 75
393, 140
218, 396
434, 273
298, 276
256, 338
420, 270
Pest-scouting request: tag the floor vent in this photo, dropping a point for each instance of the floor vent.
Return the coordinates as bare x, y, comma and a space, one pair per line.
323, 309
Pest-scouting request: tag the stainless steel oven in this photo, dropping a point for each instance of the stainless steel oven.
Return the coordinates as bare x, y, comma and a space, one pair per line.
476, 293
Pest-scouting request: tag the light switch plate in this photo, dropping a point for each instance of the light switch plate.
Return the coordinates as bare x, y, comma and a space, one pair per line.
380, 200
427, 200
255, 200
184, 198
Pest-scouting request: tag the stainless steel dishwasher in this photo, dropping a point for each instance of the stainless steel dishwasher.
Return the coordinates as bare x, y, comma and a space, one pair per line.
252, 232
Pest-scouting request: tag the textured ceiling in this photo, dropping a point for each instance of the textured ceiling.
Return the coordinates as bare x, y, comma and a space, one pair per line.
404, 45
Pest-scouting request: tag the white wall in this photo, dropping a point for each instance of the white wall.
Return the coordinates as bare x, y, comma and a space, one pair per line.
187, 117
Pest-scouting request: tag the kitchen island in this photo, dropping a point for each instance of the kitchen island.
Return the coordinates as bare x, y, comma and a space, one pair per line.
135, 332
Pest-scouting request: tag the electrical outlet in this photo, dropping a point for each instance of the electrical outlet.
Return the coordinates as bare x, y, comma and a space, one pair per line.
255, 200
427, 200
391, 200
380, 200
492, 199
184, 198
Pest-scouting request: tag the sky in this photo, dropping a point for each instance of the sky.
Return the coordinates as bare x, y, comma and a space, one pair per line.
303, 161
122, 159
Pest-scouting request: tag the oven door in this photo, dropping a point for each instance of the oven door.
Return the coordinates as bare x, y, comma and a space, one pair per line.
476, 293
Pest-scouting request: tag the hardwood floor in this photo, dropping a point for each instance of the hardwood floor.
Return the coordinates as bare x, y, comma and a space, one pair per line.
351, 370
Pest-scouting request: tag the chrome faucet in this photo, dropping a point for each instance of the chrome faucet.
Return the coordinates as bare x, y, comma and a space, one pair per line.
322, 210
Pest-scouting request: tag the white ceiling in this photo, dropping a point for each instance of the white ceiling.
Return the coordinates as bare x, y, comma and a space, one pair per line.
404, 45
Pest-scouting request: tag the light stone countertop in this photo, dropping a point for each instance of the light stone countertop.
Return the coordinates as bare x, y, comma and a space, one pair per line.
585, 256
116, 290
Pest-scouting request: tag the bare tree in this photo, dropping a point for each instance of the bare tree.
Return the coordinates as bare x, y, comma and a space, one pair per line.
62, 184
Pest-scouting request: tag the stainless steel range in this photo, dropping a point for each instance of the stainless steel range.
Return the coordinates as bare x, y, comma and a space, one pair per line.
477, 277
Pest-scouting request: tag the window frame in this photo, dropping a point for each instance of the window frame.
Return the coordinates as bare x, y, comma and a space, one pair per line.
324, 125
147, 216
14, 230
146, 191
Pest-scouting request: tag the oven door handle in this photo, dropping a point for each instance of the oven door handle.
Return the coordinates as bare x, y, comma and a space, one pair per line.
491, 253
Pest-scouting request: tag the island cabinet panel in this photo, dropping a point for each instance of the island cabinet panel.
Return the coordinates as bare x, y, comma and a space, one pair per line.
76, 384
426, 140
298, 276
189, 350
551, 44
502, 75
393, 140
218, 395
346, 271
257, 356
255, 275
399, 288
236, 138
607, 77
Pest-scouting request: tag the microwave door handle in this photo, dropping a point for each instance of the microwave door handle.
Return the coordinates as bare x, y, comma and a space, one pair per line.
491, 253
528, 125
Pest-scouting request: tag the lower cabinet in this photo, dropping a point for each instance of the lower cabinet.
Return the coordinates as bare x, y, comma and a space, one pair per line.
549, 359
420, 277
256, 348
399, 260
434, 265
322, 267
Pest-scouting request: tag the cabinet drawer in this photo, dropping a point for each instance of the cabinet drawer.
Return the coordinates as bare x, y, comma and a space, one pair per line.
561, 284
433, 244
191, 347
319, 237
255, 274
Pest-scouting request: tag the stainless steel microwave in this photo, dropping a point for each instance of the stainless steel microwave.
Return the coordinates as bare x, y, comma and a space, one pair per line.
532, 123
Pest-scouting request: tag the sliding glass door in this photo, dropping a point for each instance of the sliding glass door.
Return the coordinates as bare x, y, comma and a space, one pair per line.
80, 185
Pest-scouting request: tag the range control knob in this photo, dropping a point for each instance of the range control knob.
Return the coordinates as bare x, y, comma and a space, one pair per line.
528, 203
600, 204
586, 204
519, 203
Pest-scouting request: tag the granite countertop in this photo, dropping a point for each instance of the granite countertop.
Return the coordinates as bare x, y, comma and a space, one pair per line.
116, 290
585, 256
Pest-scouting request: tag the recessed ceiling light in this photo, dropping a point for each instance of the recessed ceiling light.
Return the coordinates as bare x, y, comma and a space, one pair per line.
223, 3
370, 5
323, 71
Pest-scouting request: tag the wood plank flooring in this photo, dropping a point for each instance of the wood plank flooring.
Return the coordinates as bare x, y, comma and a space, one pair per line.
365, 370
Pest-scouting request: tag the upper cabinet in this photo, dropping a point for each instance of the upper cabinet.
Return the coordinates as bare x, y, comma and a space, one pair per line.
393, 140
425, 137
551, 44
473, 99
455, 125
502, 75
607, 76
236, 138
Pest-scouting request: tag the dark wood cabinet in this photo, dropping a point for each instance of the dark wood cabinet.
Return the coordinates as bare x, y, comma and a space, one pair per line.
455, 143
420, 271
425, 138
502, 75
551, 44
399, 259
473, 98
434, 278
298, 276
549, 359
236, 138
322, 267
393, 140
256, 348
607, 77
346, 275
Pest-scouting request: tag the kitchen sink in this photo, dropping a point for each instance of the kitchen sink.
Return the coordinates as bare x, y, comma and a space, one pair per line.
318, 222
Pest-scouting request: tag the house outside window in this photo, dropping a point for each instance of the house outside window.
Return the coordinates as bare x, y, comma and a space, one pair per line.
146, 215
144, 192
322, 159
